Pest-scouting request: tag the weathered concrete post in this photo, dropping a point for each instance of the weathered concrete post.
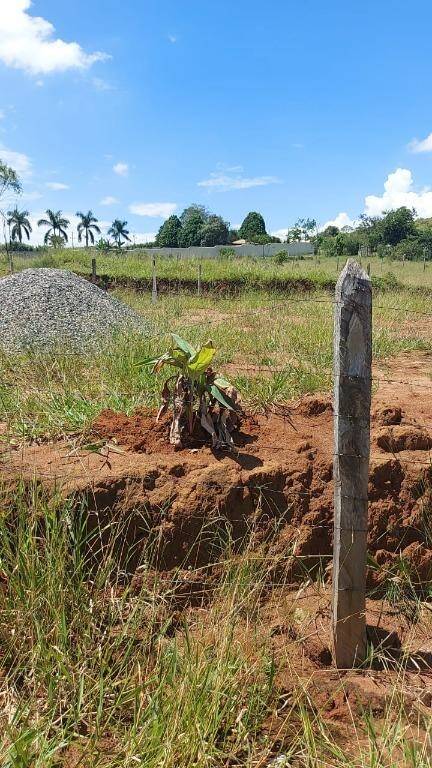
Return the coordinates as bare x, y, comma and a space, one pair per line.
154, 285
352, 401
93, 262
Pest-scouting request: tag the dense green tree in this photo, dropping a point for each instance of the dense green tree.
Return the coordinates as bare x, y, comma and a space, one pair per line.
168, 235
88, 226
330, 231
56, 223
214, 231
119, 232
398, 225
19, 223
190, 233
194, 211
233, 235
411, 249
265, 239
252, 226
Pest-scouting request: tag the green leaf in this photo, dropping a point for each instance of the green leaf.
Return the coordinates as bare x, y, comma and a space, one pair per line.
180, 357
148, 361
221, 382
183, 345
223, 399
202, 359
94, 447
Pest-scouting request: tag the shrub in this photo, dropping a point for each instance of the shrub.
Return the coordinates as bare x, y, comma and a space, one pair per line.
281, 257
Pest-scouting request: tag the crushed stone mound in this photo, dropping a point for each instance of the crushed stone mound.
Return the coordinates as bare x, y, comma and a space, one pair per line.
42, 309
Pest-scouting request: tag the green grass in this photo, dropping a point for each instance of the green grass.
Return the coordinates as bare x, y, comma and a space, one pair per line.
250, 272
60, 393
98, 671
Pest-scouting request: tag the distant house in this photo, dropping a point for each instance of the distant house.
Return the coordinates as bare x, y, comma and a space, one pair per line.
239, 242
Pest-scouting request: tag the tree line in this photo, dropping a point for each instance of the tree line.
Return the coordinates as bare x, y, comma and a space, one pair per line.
196, 226
397, 233
57, 225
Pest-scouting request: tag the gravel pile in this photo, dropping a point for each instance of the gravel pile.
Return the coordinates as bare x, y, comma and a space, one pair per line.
43, 309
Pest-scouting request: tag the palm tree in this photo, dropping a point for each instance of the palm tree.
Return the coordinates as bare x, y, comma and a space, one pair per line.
56, 223
20, 223
119, 232
87, 225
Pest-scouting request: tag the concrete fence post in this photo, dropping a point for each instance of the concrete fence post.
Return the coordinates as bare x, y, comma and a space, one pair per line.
352, 402
93, 263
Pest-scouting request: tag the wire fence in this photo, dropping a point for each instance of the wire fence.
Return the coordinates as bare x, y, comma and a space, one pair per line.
259, 369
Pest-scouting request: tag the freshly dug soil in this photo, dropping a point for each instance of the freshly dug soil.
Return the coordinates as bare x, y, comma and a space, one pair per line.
278, 483
274, 491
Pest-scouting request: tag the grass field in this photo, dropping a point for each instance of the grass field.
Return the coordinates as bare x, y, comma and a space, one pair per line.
249, 271
97, 670
55, 394
100, 673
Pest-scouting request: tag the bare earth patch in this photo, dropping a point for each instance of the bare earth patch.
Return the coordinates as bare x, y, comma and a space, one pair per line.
280, 474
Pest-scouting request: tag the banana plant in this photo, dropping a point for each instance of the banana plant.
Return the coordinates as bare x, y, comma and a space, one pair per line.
196, 392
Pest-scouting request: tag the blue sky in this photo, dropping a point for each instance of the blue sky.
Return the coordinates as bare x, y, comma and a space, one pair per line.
136, 110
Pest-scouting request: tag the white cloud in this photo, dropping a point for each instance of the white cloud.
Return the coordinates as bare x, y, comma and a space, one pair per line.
398, 191
423, 145
172, 38
28, 43
232, 178
121, 169
108, 200
20, 162
340, 221
161, 210
280, 233
56, 186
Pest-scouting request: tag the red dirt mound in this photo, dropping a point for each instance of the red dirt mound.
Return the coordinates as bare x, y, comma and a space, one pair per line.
274, 490
401, 438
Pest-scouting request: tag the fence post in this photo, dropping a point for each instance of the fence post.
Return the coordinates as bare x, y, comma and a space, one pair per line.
154, 285
368, 268
352, 400
93, 270
199, 278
